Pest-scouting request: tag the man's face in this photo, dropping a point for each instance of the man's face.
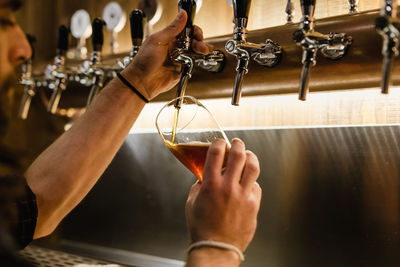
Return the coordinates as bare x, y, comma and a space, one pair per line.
14, 47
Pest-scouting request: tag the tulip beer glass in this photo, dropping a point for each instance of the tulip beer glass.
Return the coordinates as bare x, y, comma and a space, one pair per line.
188, 132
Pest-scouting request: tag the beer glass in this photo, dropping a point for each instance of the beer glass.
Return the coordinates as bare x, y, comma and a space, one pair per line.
188, 132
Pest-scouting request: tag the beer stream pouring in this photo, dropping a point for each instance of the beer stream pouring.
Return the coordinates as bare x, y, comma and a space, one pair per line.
58, 71
93, 68
266, 54
28, 82
332, 46
213, 62
388, 25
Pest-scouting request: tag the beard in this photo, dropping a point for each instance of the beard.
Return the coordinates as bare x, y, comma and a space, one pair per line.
5, 107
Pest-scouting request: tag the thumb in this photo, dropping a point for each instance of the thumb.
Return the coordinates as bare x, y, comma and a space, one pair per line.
176, 27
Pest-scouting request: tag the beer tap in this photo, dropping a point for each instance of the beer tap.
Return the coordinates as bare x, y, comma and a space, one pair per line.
353, 6
28, 82
213, 62
58, 71
137, 20
388, 25
266, 54
289, 11
93, 68
332, 46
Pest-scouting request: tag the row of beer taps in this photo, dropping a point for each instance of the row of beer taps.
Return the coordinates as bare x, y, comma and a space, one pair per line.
333, 46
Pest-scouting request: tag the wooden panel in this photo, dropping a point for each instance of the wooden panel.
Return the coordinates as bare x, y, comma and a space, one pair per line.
215, 17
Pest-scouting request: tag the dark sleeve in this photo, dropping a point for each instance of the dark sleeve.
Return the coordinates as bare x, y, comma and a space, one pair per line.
19, 210
27, 217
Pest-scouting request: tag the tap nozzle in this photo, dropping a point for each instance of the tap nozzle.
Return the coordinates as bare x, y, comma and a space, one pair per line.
58, 69
241, 70
28, 82
188, 65
308, 61
332, 46
388, 26
308, 10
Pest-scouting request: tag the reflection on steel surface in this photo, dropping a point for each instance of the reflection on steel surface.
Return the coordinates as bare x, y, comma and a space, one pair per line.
330, 198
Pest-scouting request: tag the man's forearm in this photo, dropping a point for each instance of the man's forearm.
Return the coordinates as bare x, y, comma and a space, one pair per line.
65, 172
212, 257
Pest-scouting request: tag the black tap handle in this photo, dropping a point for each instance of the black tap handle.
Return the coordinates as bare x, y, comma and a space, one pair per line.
31, 40
190, 7
137, 19
307, 9
98, 36
186, 36
62, 40
241, 8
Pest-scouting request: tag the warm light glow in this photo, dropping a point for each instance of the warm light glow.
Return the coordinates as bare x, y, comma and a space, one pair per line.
352, 107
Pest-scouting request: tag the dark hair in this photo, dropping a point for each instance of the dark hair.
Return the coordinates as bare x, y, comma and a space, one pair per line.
12, 4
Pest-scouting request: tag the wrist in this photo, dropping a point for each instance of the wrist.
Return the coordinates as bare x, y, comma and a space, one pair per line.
212, 256
135, 77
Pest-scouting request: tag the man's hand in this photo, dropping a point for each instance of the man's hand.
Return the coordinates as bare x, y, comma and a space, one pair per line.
152, 70
225, 205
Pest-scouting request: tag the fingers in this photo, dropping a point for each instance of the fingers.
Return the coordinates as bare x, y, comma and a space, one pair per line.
236, 161
251, 170
194, 191
214, 161
171, 31
198, 45
202, 47
198, 33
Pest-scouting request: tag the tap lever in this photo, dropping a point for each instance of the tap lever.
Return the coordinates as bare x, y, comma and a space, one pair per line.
137, 20
58, 72
62, 40
388, 26
333, 46
266, 54
98, 35
213, 62
94, 70
289, 11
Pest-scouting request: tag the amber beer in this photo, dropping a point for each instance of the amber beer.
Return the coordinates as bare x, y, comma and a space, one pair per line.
192, 155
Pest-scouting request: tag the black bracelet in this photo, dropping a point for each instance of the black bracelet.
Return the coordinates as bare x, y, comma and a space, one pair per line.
130, 86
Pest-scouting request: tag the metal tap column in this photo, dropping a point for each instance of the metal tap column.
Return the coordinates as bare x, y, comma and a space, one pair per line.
95, 58
28, 82
59, 72
388, 25
185, 47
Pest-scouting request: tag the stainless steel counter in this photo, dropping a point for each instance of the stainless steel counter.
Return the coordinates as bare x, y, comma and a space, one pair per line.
331, 197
